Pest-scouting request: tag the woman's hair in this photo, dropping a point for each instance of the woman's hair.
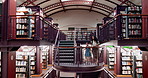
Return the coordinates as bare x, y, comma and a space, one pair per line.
95, 38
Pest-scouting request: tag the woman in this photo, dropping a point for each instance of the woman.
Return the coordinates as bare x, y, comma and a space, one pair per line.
94, 42
87, 53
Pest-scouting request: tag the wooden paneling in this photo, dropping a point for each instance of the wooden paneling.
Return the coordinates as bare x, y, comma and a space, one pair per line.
118, 61
145, 64
8, 64
38, 61
145, 21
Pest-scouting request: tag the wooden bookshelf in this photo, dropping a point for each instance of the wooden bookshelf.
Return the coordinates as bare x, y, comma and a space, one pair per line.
111, 57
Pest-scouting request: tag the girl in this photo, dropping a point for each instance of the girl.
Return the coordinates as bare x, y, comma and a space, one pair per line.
87, 53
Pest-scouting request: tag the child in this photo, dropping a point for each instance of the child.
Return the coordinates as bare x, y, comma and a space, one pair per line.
87, 53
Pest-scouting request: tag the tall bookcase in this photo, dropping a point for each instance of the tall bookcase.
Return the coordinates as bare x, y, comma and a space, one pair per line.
80, 33
137, 64
25, 61
21, 66
126, 61
32, 62
25, 25
111, 57
44, 59
132, 25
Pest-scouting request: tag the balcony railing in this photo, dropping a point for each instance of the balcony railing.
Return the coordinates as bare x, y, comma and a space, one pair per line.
79, 35
70, 55
78, 58
25, 27
124, 26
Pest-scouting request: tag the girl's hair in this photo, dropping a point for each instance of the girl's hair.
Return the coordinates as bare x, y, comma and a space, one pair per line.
95, 38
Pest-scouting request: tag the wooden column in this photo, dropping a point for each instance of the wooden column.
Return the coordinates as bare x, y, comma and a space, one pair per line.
8, 8
145, 63
145, 19
38, 60
50, 54
117, 66
8, 63
105, 55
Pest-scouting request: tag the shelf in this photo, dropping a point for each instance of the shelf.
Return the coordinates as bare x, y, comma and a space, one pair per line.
134, 11
21, 60
126, 55
111, 57
32, 65
21, 23
134, 29
134, 23
22, 72
139, 73
127, 70
127, 60
138, 60
21, 66
112, 60
138, 66
127, 65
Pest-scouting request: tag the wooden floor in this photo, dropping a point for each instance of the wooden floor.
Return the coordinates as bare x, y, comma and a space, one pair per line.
44, 71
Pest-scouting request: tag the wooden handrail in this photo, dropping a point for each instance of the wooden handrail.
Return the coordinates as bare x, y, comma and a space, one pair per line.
77, 30
123, 15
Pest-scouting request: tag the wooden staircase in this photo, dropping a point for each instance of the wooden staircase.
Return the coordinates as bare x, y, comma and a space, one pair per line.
65, 55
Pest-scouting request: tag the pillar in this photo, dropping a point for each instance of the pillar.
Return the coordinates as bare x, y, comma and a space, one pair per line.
145, 19
105, 55
145, 63
8, 63
117, 66
38, 60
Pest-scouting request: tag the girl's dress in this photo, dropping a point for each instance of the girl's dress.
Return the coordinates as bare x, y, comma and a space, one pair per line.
87, 52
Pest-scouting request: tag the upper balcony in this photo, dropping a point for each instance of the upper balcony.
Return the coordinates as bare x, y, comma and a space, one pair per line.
30, 30
125, 30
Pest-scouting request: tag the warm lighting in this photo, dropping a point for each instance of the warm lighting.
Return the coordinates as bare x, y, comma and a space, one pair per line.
3, 1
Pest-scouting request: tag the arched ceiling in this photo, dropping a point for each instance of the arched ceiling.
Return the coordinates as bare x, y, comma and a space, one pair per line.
59, 8
104, 7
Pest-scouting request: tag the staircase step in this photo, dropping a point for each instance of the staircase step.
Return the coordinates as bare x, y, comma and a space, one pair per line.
66, 48
65, 56
66, 45
64, 53
68, 57
65, 60
66, 41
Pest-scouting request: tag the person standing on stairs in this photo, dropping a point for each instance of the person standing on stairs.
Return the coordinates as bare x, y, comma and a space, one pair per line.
95, 50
